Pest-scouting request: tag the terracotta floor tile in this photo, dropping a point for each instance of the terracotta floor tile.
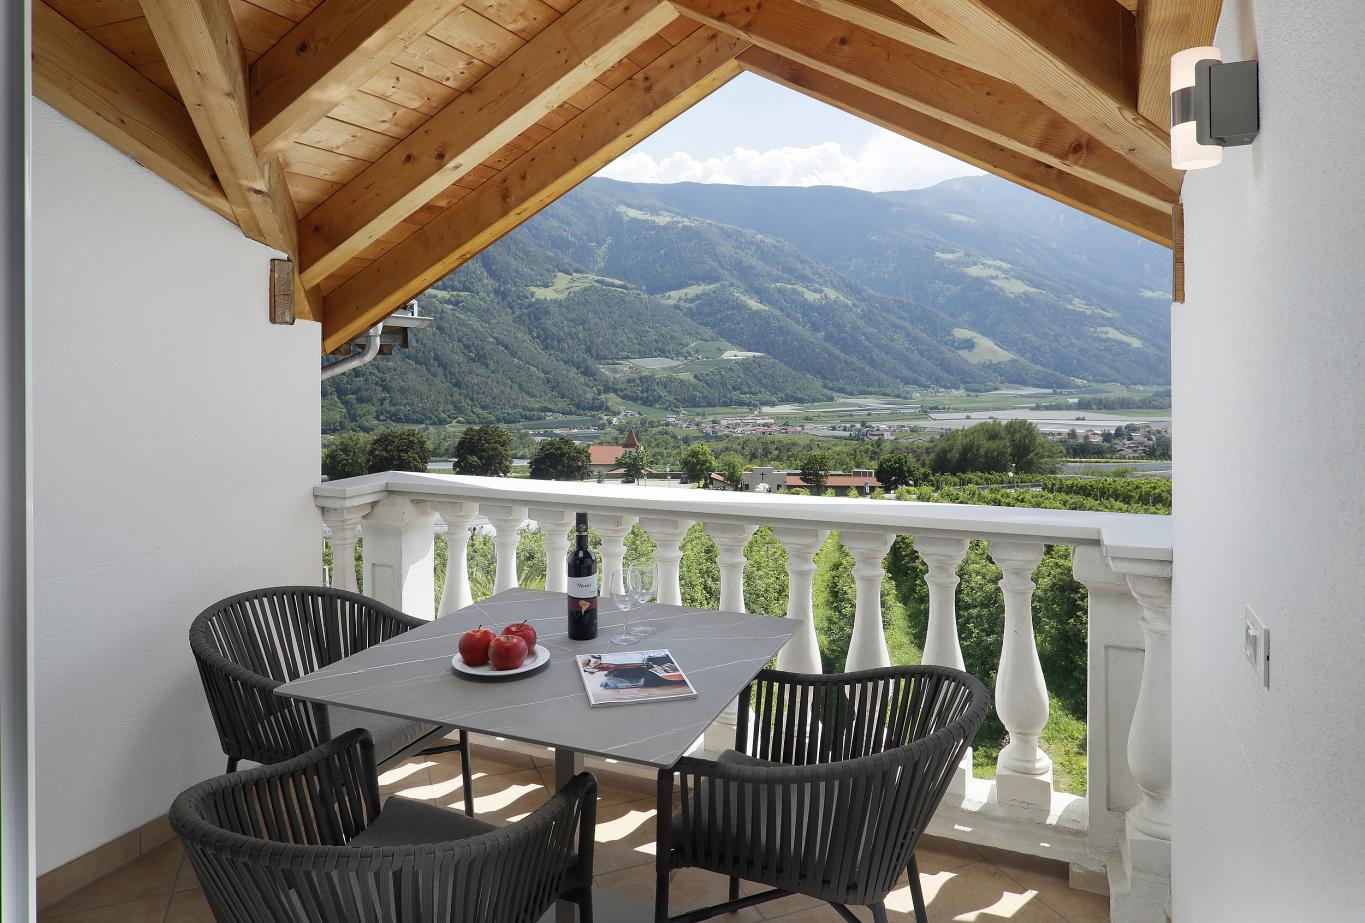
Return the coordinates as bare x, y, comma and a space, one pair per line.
938, 854
690, 889
1050, 879
491, 761
144, 877
625, 836
189, 907
187, 880
144, 910
977, 893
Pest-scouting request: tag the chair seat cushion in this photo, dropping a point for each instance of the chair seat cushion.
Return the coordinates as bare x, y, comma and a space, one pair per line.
390, 734
405, 822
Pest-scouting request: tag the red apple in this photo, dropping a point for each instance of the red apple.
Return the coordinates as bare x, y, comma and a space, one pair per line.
524, 631
507, 652
474, 646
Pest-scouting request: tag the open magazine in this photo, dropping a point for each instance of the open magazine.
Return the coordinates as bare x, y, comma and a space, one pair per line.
622, 677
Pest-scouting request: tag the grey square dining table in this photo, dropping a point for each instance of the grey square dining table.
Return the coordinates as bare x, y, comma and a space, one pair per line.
410, 676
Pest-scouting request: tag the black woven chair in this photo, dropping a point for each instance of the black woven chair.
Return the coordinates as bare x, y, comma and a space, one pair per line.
827, 791
250, 644
306, 841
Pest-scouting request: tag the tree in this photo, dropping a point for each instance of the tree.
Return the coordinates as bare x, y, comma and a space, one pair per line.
732, 469
994, 447
898, 469
344, 456
635, 463
698, 463
815, 471
398, 450
560, 459
484, 450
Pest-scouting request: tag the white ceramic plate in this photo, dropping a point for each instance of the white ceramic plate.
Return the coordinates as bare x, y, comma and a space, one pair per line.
539, 657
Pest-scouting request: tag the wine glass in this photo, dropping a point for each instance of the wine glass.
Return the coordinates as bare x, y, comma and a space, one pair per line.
640, 583
624, 600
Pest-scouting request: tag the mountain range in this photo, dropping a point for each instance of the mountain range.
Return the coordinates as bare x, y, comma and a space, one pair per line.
661, 295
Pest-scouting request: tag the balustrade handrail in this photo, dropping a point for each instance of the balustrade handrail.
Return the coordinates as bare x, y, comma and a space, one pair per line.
1136, 536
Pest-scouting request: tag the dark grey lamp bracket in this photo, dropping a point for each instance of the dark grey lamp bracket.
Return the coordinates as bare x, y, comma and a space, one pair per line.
1224, 103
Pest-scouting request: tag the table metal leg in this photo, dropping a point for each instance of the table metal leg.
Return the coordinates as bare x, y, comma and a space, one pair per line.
568, 763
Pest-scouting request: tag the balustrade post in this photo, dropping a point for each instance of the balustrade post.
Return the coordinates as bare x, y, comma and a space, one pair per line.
400, 555
1023, 771
942, 555
867, 647
802, 653
506, 520
554, 526
1149, 738
668, 535
458, 516
344, 523
731, 539
613, 529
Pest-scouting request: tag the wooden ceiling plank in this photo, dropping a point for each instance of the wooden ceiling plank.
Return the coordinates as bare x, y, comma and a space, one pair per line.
93, 87
979, 103
199, 40
435, 60
1078, 58
659, 93
410, 89
1165, 27
87, 14
476, 35
323, 59
886, 18
554, 65
1151, 223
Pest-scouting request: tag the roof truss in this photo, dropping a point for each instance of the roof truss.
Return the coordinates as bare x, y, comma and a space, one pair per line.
382, 143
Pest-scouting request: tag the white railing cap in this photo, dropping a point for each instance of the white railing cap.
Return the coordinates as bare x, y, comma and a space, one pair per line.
1129, 535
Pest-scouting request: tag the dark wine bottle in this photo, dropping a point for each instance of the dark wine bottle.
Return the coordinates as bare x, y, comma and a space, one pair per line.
582, 585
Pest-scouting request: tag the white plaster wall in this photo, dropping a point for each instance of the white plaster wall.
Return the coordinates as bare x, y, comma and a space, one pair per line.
1269, 372
175, 447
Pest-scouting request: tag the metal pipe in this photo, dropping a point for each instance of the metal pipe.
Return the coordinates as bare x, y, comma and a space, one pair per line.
371, 350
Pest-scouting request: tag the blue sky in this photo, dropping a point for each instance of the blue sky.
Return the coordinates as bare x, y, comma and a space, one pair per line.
755, 132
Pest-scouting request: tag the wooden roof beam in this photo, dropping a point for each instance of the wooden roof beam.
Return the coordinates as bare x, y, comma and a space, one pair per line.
985, 106
563, 58
199, 40
330, 53
1078, 58
660, 92
1165, 27
90, 85
886, 18
1151, 223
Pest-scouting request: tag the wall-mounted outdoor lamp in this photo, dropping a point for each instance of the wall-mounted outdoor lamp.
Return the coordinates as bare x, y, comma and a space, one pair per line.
1213, 106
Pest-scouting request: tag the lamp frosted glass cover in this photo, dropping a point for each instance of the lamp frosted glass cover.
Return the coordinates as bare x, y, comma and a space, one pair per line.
1186, 151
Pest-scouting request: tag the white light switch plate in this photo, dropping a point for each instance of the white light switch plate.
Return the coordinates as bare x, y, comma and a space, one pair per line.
1256, 645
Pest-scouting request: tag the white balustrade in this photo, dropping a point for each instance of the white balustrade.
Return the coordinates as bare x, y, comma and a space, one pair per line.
1124, 562
668, 535
458, 517
867, 647
613, 529
1023, 774
802, 652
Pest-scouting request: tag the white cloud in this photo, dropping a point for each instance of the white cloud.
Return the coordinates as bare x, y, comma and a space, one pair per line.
886, 162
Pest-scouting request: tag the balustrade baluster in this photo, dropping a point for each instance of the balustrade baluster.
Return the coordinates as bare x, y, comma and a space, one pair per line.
458, 516
668, 535
867, 647
345, 526
1023, 770
554, 526
730, 539
802, 653
613, 529
1149, 738
507, 521
942, 555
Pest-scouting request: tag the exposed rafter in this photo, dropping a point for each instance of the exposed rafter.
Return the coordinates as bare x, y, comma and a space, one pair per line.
202, 48
1151, 223
1078, 58
1165, 27
333, 51
673, 82
885, 17
78, 76
560, 61
975, 102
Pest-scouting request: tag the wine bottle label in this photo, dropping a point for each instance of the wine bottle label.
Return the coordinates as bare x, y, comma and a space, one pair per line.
583, 587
